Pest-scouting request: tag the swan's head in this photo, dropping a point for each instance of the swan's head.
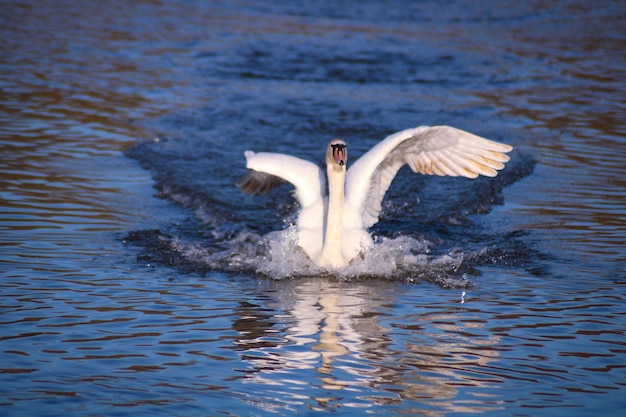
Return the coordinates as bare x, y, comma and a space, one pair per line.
337, 154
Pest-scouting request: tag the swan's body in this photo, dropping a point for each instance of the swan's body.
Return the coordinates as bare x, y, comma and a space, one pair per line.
332, 230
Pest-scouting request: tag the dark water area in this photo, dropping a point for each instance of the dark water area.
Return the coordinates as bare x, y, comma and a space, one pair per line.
136, 279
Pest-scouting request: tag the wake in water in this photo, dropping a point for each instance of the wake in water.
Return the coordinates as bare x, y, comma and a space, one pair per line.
230, 234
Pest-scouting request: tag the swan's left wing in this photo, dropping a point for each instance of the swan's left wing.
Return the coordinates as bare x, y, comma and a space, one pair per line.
432, 150
267, 171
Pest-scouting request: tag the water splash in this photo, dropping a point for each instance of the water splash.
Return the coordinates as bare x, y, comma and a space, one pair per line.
276, 255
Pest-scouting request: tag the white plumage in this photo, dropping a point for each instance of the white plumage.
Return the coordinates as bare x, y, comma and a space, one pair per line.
436, 150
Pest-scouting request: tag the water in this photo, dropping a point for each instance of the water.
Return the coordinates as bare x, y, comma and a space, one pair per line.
137, 279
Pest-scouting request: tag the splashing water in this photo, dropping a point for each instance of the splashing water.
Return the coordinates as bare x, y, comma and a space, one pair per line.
276, 255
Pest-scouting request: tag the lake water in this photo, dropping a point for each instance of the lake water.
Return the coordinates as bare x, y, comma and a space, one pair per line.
136, 279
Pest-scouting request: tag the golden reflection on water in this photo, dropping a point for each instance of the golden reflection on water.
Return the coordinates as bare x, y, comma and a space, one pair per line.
69, 103
578, 100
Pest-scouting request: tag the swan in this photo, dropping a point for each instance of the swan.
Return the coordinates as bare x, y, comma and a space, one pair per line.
333, 227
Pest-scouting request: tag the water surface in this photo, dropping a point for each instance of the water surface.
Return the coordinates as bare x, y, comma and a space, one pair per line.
137, 279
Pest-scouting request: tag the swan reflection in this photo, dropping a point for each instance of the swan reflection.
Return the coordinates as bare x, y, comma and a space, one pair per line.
343, 331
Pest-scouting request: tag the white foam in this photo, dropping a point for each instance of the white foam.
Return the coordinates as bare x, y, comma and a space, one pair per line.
277, 255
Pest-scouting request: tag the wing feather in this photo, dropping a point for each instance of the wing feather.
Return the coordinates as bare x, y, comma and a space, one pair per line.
258, 183
445, 164
436, 150
267, 171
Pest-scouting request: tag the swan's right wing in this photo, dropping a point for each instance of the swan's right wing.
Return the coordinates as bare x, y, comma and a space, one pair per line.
267, 171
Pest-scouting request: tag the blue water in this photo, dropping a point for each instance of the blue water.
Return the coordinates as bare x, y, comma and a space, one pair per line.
136, 279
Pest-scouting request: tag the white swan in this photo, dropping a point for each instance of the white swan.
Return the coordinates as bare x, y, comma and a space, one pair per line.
333, 230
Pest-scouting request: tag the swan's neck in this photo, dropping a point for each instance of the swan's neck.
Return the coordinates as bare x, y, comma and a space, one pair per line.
331, 251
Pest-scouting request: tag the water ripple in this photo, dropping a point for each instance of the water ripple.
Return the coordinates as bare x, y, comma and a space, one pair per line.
500, 296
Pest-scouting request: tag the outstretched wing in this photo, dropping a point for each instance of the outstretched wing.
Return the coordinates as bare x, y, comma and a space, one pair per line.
267, 171
432, 150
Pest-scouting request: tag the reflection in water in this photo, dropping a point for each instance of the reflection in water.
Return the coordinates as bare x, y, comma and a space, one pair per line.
337, 329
